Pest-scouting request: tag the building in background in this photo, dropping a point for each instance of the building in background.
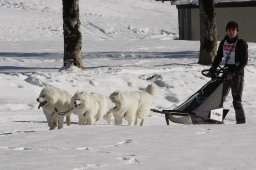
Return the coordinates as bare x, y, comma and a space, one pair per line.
241, 11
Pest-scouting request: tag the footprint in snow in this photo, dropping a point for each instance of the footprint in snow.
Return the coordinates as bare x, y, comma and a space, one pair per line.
15, 132
120, 143
172, 99
203, 132
129, 84
21, 148
15, 148
20, 86
93, 83
124, 142
131, 159
87, 166
84, 148
35, 81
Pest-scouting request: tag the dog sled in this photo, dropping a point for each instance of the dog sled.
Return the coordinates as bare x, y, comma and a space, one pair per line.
203, 107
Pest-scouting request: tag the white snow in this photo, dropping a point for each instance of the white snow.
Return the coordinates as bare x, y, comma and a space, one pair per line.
126, 45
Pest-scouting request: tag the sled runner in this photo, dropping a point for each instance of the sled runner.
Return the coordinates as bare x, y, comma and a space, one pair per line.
203, 107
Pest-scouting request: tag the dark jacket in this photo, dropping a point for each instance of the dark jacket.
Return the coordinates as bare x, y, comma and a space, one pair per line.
241, 55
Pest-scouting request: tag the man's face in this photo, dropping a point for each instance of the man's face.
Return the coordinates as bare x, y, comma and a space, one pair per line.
232, 32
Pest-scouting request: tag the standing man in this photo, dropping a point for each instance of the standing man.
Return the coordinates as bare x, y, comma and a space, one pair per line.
233, 52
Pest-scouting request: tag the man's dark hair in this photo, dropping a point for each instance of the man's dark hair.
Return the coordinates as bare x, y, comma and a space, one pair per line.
232, 24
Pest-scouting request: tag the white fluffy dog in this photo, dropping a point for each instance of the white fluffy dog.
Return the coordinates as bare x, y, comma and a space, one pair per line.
54, 101
91, 107
133, 106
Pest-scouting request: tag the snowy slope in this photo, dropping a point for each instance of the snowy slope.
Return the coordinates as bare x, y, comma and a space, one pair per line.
100, 20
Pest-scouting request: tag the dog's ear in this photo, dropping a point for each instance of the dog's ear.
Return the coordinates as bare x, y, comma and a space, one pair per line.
113, 94
80, 92
117, 93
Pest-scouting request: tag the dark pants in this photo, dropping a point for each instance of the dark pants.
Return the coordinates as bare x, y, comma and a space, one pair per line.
236, 85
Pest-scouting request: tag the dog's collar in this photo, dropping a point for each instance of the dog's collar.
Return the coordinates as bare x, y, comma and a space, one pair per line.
125, 114
55, 111
64, 113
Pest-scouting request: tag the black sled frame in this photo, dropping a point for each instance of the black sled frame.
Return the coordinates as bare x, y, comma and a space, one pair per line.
196, 109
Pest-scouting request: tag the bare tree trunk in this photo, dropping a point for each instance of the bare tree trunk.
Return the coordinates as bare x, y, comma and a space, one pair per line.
72, 34
208, 32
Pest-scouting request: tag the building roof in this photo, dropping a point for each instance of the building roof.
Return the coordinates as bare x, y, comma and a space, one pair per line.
218, 3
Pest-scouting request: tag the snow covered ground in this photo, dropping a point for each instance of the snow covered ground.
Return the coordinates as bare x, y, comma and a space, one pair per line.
126, 45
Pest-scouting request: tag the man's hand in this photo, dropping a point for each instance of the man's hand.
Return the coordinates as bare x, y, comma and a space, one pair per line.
211, 73
229, 76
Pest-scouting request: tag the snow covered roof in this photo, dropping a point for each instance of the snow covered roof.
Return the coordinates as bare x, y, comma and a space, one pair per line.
217, 2
180, 2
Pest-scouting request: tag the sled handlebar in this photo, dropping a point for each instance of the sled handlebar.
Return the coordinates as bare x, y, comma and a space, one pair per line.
218, 73
205, 72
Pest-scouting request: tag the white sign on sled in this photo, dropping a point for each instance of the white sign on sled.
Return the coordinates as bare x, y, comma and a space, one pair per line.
216, 114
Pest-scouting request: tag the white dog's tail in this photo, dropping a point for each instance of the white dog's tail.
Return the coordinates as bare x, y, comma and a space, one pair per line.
151, 89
